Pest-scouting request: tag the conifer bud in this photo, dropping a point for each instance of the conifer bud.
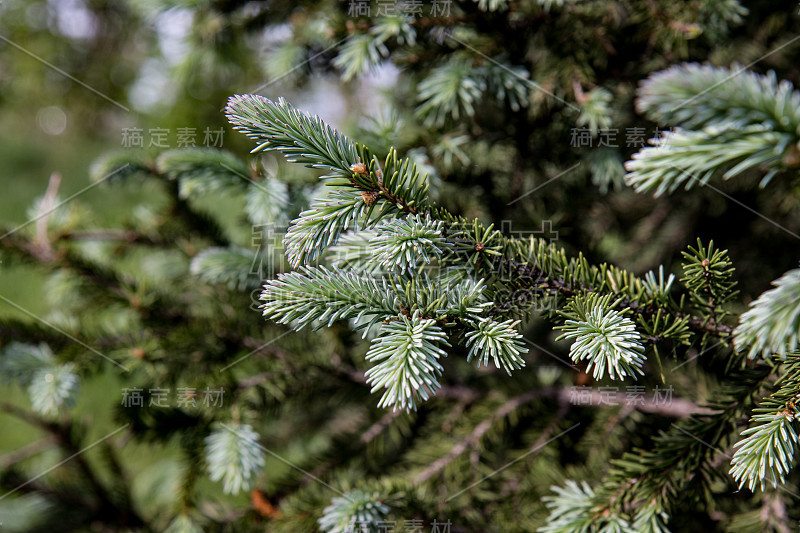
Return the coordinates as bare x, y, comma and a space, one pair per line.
370, 197
359, 168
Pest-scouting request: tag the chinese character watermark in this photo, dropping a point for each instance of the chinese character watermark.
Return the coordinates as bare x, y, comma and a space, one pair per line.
161, 397
164, 138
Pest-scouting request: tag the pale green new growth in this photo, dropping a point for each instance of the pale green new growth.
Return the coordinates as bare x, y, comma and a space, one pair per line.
595, 110
695, 96
500, 340
358, 510
409, 243
318, 296
766, 454
407, 353
604, 338
733, 120
451, 91
234, 456
772, 324
569, 509
51, 386
689, 158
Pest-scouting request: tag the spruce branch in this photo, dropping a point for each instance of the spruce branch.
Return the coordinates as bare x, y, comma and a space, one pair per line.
319, 296
408, 243
51, 386
473, 439
767, 450
570, 509
668, 467
407, 352
498, 340
507, 83
708, 275
650, 519
366, 191
398, 28
231, 266
202, 171
266, 202
771, 327
353, 252
604, 337
690, 158
356, 509
301, 138
658, 288
449, 92
360, 54
320, 226
696, 96
234, 456
595, 110
733, 120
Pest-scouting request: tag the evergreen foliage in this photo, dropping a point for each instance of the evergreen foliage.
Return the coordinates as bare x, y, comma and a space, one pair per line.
772, 324
630, 388
604, 337
408, 348
234, 457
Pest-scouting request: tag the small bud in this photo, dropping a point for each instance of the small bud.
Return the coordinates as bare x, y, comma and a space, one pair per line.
479, 246
359, 168
370, 197
705, 263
